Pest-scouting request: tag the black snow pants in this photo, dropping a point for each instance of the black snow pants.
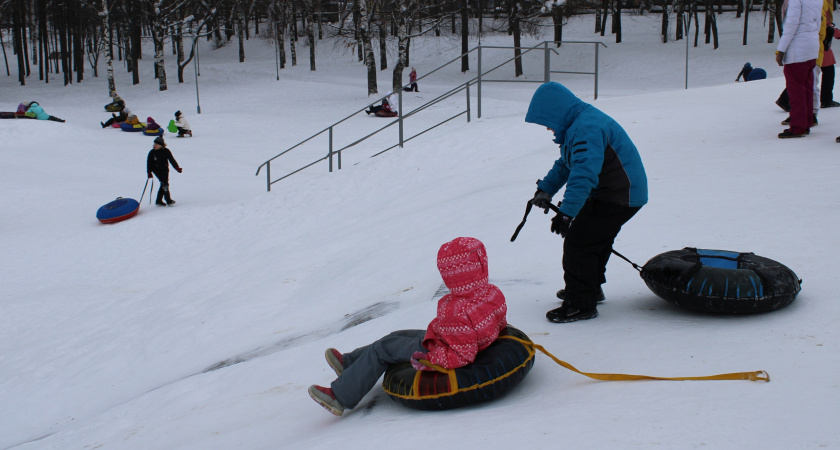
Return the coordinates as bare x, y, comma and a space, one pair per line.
587, 249
163, 192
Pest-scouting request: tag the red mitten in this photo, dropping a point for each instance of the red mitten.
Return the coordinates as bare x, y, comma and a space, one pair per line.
179, 170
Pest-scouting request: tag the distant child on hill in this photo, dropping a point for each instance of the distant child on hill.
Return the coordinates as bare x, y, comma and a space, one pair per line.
412, 78
384, 106
751, 74
151, 124
158, 163
182, 124
122, 117
37, 112
468, 320
116, 104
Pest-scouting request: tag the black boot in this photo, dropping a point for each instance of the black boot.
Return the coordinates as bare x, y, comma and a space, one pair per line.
566, 314
159, 201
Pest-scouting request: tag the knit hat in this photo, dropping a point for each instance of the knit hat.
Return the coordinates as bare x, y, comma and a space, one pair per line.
462, 263
159, 140
177, 113
150, 120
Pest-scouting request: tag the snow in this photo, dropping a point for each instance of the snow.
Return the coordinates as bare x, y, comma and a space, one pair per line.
200, 326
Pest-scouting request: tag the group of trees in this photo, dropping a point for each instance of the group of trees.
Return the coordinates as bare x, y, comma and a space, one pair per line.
58, 36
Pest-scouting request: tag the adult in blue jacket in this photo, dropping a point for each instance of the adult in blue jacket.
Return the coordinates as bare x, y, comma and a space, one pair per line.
605, 186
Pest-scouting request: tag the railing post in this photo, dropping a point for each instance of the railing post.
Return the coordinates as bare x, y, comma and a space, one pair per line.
400, 115
597, 47
330, 152
468, 101
478, 89
547, 63
268, 175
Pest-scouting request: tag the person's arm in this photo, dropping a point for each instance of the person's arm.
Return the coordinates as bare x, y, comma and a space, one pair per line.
587, 158
172, 160
451, 342
792, 17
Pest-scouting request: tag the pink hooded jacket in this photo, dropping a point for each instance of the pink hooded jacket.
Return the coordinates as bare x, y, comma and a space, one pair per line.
470, 318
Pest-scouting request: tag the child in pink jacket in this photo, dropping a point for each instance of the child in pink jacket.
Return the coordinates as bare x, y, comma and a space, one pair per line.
468, 320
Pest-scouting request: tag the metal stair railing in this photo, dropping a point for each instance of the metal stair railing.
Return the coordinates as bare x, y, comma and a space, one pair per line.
478, 80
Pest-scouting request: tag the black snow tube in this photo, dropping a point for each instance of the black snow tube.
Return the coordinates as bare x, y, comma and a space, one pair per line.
720, 281
495, 371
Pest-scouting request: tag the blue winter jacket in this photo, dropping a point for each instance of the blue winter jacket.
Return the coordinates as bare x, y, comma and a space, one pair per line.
597, 158
37, 111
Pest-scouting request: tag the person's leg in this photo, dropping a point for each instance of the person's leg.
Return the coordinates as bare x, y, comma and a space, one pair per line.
798, 85
815, 94
163, 191
364, 366
812, 78
827, 87
586, 254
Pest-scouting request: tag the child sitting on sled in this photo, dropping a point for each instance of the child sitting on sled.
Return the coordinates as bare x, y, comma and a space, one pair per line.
468, 320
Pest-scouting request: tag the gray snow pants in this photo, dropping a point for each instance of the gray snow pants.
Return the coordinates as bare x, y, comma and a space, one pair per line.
364, 366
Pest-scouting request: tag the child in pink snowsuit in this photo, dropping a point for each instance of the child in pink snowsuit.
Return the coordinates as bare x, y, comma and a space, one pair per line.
468, 320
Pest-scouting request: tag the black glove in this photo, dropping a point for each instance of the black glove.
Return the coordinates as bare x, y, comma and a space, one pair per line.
541, 200
560, 224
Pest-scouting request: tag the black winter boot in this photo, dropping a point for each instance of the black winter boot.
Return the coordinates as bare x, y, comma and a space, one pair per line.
566, 314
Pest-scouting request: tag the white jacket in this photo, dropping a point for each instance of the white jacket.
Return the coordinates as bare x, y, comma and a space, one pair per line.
182, 123
801, 37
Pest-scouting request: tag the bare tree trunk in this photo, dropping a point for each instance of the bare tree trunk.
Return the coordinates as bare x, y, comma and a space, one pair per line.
605, 5
747, 6
365, 20
617, 21
557, 17
158, 34
109, 49
664, 30
383, 47
402, 44
310, 35
465, 31
240, 31
517, 38
679, 30
17, 38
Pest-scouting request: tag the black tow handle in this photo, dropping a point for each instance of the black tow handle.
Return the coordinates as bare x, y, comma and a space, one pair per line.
557, 211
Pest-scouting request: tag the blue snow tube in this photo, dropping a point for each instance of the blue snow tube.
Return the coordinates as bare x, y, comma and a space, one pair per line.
118, 210
131, 128
148, 132
720, 281
496, 370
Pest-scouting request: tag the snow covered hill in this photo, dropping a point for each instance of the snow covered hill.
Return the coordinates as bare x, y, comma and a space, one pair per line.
200, 326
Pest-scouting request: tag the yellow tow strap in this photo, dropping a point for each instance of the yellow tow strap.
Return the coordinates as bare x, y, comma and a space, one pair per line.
759, 375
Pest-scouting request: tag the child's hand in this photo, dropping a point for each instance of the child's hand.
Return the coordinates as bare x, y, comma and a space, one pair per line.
415, 361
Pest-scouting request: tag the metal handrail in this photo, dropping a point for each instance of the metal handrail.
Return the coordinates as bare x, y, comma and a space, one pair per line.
478, 80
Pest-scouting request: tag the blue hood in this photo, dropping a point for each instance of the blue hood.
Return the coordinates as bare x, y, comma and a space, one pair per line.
553, 106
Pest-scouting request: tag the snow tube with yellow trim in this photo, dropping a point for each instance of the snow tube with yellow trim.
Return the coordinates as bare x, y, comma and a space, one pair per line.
721, 281
148, 132
125, 126
495, 371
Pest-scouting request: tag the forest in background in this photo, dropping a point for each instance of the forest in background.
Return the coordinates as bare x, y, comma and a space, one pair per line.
58, 38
